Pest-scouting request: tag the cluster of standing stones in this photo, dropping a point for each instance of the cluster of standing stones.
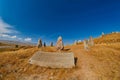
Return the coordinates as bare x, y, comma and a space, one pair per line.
59, 44
88, 43
40, 44
77, 42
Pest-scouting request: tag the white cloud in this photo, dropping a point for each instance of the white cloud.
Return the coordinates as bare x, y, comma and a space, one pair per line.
5, 35
6, 28
19, 38
8, 36
13, 37
7, 31
28, 39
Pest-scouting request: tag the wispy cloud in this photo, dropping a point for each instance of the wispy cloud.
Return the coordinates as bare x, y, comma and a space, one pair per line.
13, 37
28, 39
8, 36
6, 28
7, 31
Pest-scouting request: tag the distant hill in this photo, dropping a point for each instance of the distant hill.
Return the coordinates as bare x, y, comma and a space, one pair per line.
3, 44
12, 43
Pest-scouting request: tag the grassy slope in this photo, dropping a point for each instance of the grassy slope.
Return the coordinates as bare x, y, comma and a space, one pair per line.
100, 62
108, 38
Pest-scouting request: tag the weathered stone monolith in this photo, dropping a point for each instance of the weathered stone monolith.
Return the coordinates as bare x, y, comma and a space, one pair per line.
103, 33
91, 42
44, 45
59, 44
39, 43
86, 44
76, 42
79, 41
51, 44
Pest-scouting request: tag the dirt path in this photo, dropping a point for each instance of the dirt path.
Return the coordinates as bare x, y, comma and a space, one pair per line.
85, 64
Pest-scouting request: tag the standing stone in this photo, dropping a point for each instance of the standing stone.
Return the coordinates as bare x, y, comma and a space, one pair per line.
59, 44
51, 44
39, 43
85, 44
103, 33
91, 42
116, 32
79, 41
113, 32
44, 45
76, 42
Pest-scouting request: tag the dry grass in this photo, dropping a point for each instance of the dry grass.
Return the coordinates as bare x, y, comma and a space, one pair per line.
15, 65
101, 62
108, 39
107, 64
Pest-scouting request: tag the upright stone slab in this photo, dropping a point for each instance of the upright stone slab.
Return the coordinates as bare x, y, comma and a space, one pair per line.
85, 44
44, 45
53, 60
59, 44
79, 41
91, 41
103, 33
39, 43
51, 44
76, 42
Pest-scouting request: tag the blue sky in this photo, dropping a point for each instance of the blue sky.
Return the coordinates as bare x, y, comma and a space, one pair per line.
29, 20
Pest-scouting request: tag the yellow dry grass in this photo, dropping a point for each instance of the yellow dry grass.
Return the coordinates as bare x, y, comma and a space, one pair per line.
14, 65
100, 62
108, 38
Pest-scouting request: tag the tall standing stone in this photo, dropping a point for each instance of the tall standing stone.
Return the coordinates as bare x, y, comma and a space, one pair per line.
39, 43
59, 44
103, 33
79, 41
44, 44
85, 44
76, 42
51, 44
91, 42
